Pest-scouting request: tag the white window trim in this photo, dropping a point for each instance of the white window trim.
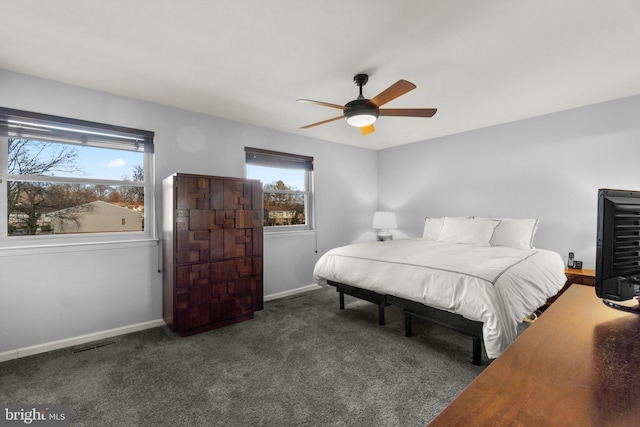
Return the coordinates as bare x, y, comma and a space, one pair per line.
309, 214
15, 244
308, 193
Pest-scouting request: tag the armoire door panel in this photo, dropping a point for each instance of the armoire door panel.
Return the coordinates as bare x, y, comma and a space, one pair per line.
192, 247
233, 191
203, 201
244, 219
200, 237
256, 292
202, 219
193, 274
244, 305
183, 247
182, 298
223, 271
217, 245
217, 194
257, 204
222, 291
240, 250
183, 319
183, 189
199, 295
244, 267
230, 250
256, 263
243, 287
223, 310
202, 183
219, 218
226, 218
201, 315
199, 246
257, 244
243, 236
193, 317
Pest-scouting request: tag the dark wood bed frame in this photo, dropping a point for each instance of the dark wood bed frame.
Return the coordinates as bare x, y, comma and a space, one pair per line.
413, 309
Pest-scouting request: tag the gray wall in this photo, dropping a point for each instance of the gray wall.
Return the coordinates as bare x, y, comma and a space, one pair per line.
548, 167
61, 293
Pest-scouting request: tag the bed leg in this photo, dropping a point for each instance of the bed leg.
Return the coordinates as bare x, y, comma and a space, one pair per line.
477, 351
408, 330
341, 300
381, 313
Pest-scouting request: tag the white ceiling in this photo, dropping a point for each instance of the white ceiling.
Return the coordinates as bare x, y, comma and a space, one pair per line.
480, 63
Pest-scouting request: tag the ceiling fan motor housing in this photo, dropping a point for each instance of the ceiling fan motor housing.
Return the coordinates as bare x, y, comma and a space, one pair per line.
360, 108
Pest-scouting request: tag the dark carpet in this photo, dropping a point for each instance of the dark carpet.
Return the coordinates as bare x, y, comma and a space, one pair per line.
300, 362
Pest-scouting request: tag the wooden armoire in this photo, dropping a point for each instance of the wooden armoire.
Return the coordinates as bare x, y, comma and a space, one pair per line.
212, 251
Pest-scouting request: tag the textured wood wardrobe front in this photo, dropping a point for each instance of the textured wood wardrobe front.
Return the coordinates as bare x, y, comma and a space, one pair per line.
212, 251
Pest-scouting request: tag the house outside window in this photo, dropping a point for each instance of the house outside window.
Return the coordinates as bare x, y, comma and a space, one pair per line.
66, 180
287, 188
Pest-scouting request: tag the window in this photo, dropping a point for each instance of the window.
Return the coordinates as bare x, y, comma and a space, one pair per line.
287, 185
72, 180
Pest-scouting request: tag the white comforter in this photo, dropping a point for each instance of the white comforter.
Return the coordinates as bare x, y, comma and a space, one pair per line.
498, 286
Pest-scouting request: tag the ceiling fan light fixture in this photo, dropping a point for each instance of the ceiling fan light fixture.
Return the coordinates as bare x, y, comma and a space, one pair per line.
359, 113
361, 118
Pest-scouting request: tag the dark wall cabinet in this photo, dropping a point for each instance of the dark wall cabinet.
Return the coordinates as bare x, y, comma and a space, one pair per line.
212, 251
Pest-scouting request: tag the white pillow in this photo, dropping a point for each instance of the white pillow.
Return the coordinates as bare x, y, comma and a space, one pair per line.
514, 233
467, 231
432, 228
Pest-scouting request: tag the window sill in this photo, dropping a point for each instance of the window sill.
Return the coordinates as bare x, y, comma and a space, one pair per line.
288, 233
58, 247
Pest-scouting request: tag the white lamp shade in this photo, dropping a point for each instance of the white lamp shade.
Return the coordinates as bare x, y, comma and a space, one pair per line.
384, 220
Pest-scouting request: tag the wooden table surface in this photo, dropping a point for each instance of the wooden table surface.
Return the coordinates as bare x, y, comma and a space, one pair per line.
577, 365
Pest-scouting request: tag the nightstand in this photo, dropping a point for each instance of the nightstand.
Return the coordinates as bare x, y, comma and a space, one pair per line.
585, 276
582, 277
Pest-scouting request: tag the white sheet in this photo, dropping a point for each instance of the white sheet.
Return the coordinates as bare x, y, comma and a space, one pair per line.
498, 286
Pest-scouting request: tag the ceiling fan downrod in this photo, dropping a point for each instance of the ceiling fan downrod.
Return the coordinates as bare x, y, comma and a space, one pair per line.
361, 80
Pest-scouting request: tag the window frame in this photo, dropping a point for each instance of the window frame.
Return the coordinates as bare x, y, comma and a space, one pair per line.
63, 130
280, 160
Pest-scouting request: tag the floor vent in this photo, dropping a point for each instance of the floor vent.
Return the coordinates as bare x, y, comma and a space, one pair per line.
93, 346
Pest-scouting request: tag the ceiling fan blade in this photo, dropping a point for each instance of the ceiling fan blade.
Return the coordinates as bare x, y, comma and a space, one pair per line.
322, 122
408, 112
366, 130
324, 104
392, 92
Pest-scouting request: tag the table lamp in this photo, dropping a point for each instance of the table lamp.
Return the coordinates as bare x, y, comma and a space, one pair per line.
384, 221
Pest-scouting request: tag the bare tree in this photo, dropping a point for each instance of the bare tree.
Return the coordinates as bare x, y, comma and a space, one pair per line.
68, 203
27, 201
285, 205
134, 194
282, 200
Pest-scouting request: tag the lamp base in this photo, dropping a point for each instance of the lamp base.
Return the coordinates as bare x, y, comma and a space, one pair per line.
384, 236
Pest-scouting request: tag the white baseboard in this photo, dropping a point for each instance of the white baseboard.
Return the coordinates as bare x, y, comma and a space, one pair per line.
292, 292
82, 339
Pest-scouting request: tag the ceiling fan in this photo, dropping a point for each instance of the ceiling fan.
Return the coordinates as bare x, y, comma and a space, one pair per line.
363, 112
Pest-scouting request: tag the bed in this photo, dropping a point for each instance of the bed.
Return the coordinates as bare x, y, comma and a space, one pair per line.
480, 276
